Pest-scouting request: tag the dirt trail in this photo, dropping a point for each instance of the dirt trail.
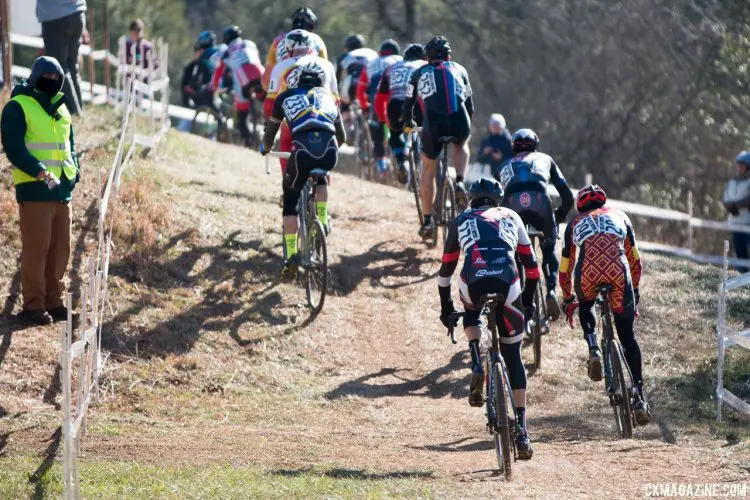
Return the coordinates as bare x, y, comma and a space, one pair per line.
372, 384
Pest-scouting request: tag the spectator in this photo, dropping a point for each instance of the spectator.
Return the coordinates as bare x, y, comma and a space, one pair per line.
144, 49
496, 148
37, 135
63, 29
737, 203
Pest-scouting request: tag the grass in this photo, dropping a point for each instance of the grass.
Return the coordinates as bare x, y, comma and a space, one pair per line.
104, 479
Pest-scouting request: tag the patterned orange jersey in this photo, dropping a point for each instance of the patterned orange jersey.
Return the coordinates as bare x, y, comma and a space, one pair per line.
605, 240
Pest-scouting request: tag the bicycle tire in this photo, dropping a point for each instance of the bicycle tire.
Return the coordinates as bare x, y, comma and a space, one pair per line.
415, 174
502, 427
204, 129
252, 126
369, 165
316, 263
448, 206
626, 412
536, 335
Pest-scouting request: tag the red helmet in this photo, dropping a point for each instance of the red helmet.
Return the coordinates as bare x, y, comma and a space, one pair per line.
590, 197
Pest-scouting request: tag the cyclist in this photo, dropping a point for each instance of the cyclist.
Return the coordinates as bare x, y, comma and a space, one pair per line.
196, 78
443, 89
348, 68
490, 236
608, 255
312, 112
525, 178
302, 19
300, 51
367, 87
242, 60
389, 102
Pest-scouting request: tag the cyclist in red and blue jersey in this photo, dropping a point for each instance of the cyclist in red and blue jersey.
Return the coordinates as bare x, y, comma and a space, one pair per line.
389, 102
444, 92
369, 80
525, 178
311, 110
490, 237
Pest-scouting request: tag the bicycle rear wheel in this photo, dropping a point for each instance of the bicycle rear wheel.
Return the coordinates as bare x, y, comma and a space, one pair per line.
536, 332
316, 266
622, 409
415, 174
448, 206
502, 423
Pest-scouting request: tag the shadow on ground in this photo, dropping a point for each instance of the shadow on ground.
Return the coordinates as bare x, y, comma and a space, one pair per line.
357, 474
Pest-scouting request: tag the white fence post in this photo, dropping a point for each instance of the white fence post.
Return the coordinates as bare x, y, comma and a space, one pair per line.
690, 221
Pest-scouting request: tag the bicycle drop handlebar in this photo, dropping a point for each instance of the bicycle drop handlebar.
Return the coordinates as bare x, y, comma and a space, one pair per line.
275, 154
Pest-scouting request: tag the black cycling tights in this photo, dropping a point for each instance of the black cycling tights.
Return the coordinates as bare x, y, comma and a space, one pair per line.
242, 125
550, 262
626, 334
511, 353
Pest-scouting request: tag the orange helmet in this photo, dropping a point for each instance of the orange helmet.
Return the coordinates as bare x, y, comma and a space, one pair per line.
590, 197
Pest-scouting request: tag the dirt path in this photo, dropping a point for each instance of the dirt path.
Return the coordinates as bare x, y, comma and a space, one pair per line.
219, 363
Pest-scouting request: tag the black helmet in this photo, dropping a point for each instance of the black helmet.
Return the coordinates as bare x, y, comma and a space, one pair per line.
309, 77
205, 40
414, 52
231, 33
354, 42
389, 47
486, 192
438, 48
305, 19
525, 140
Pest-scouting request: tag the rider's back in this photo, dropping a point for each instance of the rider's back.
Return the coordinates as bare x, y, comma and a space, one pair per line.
527, 171
443, 87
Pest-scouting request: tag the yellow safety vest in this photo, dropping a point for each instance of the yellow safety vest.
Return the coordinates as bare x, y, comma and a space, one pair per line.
47, 139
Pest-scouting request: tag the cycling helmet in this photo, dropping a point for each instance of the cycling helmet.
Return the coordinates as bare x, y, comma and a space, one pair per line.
389, 47
231, 33
525, 140
354, 42
205, 40
590, 197
744, 158
310, 77
485, 192
305, 19
414, 52
438, 48
298, 43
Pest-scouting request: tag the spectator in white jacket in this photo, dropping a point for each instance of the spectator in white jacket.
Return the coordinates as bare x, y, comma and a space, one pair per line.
737, 203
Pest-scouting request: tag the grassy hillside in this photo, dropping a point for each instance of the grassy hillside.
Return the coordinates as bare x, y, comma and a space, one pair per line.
221, 384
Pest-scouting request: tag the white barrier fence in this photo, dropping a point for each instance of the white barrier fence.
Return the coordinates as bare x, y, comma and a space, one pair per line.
727, 338
86, 351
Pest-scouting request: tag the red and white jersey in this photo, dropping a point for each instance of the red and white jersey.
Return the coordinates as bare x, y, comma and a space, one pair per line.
242, 58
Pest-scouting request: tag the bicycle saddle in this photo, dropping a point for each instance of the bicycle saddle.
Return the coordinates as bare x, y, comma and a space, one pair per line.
318, 172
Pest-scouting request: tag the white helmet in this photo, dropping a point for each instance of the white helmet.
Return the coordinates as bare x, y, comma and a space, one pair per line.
497, 118
298, 43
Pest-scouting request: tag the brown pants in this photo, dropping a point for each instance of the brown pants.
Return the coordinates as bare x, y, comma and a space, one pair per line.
45, 251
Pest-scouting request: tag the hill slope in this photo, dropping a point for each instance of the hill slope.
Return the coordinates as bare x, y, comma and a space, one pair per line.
222, 384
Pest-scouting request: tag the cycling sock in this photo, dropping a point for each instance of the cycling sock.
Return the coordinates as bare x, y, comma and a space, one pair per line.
521, 416
427, 218
476, 358
459, 179
321, 208
290, 245
591, 341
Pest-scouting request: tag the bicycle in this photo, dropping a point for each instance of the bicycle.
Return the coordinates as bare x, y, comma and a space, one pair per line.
540, 323
312, 240
363, 143
211, 121
445, 209
501, 409
415, 167
621, 393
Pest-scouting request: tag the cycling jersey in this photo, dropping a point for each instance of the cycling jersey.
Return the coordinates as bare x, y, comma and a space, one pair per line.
443, 88
242, 59
204, 68
348, 69
532, 171
490, 239
286, 74
307, 109
396, 78
369, 78
277, 50
608, 256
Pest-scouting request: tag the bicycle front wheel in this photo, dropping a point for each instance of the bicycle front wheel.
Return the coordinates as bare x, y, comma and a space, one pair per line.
316, 266
622, 409
502, 423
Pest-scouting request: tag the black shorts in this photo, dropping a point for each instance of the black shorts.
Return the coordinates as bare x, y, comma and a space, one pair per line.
394, 112
510, 320
439, 129
310, 150
535, 209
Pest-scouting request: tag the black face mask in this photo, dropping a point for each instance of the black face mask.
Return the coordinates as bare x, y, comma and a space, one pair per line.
48, 86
